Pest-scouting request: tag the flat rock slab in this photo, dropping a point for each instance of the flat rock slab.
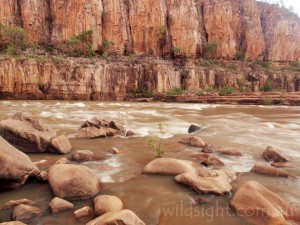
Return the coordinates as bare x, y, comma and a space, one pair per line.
27, 134
208, 181
25, 212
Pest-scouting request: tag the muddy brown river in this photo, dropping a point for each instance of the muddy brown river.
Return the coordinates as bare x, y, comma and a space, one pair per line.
159, 199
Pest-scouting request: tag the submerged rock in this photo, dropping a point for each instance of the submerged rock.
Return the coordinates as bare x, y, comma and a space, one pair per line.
60, 205
208, 160
169, 166
208, 181
13, 203
274, 155
195, 142
194, 128
106, 203
269, 170
230, 152
15, 167
85, 155
25, 212
124, 217
260, 206
73, 181
98, 128
32, 136
84, 212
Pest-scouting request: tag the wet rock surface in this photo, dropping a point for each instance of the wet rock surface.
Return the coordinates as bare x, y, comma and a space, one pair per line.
73, 181
16, 167
266, 207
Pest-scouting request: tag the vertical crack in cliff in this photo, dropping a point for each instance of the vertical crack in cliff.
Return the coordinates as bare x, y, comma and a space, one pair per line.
129, 45
49, 19
18, 11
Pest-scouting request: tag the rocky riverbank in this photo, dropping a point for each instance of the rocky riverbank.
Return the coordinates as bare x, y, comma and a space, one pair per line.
122, 78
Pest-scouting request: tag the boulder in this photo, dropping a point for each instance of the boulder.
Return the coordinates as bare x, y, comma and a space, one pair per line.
117, 151
92, 132
208, 160
194, 141
25, 212
73, 181
60, 205
63, 161
124, 217
208, 181
269, 170
84, 155
27, 134
169, 166
84, 212
43, 176
194, 128
98, 128
61, 145
15, 167
106, 203
274, 155
13, 203
260, 206
230, 152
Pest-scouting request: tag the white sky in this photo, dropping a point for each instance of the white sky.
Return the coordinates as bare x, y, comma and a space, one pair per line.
294, 3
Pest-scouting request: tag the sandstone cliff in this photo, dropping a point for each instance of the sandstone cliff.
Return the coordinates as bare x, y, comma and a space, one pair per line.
97, 79
163, 27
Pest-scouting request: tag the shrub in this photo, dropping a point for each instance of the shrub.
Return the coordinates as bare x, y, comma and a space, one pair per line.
200, 93
210, 49
175, 91
156, 141
267, 101
105, 55
149, 93
295, 63
210, 89
176, 51
15, 37
239, 55
10, 50
226, 91
185, 74
268, 86
162, 29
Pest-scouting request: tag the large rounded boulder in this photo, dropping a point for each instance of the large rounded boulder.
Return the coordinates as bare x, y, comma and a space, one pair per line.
169, 166
106, 203
15, 167
73, 181
260, 206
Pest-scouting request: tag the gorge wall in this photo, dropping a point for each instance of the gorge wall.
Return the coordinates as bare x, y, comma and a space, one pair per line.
160, 27
98, 79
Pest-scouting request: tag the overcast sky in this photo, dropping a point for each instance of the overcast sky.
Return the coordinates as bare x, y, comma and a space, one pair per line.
294, 3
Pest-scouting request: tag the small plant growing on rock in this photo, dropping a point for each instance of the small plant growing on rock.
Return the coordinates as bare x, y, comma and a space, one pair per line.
156, 141
185, 74
200, 93
239, 55
268, 87
268, 101
226, 91
210, 49
162, 29
175, 91
295, 63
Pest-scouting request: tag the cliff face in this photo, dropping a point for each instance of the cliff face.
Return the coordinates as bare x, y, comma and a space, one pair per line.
160, 27
96, 79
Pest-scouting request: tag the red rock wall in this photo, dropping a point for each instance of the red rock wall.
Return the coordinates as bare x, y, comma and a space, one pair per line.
158, 27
